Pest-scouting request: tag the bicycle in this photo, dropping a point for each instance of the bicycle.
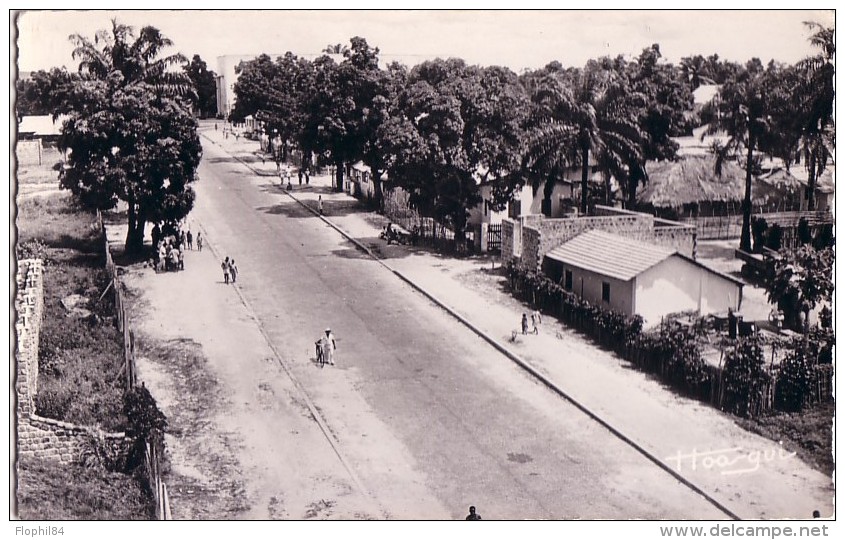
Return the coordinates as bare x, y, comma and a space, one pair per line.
320, 360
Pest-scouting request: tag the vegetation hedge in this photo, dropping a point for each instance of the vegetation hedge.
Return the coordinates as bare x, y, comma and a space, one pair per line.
745, 385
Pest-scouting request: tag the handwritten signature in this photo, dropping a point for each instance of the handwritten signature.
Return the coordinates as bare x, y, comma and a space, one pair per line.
728, 460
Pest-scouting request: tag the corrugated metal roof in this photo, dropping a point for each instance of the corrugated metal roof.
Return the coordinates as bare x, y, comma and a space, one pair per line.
610, 255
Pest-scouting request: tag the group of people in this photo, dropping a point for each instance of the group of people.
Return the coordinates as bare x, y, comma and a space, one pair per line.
286, 175
536, 320
395, 236
170, 249
230, 270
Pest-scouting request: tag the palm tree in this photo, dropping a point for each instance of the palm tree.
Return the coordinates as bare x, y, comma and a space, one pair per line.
694, 69
592, 116
337, 48
743, 117
136, 58
817, 141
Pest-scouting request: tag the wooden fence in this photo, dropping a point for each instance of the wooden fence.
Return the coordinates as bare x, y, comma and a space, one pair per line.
430, 232
152, 466
129, 367
711, 388
153, 446
727, 227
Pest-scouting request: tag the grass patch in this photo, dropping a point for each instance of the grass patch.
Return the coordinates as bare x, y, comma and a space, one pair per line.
809, 433
49, 490
79, 357
46, 173
59, 222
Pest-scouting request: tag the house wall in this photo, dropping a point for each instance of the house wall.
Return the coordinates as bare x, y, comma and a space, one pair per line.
675, 285
588, 285
560, 191
567, 187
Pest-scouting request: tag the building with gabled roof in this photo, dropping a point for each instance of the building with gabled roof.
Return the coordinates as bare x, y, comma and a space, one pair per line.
634, 277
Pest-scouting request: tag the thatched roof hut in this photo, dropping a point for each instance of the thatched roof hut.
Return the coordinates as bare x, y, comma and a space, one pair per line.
691, 184
692, 180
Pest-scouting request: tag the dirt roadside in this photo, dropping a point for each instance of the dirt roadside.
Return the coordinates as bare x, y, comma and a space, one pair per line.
242, 443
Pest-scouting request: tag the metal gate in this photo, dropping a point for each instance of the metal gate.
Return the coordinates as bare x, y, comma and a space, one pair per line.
494, 238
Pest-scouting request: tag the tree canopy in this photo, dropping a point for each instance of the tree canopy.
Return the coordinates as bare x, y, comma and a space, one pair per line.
130, 132
205, 86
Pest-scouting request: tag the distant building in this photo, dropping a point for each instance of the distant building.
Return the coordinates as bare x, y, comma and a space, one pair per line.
34, 133
41, 127
634, 277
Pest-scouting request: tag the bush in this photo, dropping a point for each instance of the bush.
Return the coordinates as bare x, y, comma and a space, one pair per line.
758, 233
805, 235
793, 382
745, 378
145, 418
609, 328
824, 237
774, 237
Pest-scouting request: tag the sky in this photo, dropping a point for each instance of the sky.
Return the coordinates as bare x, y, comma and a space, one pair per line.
517, 38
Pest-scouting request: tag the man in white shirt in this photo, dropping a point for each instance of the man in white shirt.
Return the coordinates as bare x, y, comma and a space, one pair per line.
328, 346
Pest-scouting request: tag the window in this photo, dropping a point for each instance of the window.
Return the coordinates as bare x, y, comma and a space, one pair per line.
605, 291
567, 280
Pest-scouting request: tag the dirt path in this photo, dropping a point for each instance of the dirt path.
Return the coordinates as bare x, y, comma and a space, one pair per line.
246, 449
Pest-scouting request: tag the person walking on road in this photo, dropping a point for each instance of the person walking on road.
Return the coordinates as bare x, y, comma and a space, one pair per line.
233, 270
535, 322
199, 241
328, 347
190, 240
524, 324
472, 515
320, 204
225, 267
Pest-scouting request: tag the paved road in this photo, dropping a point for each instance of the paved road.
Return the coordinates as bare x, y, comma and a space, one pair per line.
427, 418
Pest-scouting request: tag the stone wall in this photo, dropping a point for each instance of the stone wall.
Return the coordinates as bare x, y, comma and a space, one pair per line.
540, 235
46, 438
29, 307
508, 250
38, 436
683, 238
532, 240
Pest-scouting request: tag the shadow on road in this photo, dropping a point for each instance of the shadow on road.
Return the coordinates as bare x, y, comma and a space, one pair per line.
220, 160
287, 209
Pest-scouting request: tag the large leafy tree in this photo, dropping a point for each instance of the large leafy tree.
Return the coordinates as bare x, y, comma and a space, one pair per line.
667, 100
462, 126
744, 116
205, 86
130, 132
803, 279
44, 92
383, 123
589, 113
342, 110
275, 92
815, 103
